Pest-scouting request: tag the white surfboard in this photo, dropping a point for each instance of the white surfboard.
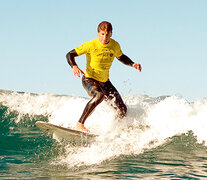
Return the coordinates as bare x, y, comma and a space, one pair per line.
66, 133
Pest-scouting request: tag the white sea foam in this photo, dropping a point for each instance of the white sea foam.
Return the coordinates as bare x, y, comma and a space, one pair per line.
150, 122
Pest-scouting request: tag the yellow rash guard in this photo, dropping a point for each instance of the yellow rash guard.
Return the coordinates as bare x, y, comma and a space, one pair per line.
99, 58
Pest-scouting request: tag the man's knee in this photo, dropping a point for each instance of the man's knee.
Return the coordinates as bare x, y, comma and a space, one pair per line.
122, 111
98, 98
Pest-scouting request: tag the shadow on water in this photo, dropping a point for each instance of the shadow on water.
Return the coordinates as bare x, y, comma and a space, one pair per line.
22, 145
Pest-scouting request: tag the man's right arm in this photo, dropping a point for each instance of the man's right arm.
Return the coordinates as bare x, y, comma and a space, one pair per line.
71, 61
71, 57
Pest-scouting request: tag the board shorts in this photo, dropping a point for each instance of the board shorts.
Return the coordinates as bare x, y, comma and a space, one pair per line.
100, 91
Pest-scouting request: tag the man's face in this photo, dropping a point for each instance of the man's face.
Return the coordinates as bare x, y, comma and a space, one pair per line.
104, 36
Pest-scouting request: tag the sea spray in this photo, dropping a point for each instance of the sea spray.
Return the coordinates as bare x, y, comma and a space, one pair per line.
150, 123
146, 126
175, 115
31, 104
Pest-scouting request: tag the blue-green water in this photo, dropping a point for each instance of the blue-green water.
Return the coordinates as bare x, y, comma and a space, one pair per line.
162, 138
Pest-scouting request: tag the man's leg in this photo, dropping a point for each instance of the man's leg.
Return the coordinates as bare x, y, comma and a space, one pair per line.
93, 89
111, 92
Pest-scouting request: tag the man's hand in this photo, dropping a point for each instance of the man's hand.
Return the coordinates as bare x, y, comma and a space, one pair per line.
137, 66
77, 72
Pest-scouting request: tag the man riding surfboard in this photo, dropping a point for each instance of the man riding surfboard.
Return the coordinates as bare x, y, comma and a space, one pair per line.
100, 53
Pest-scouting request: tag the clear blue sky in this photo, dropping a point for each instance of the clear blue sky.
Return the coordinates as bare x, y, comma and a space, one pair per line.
169, 39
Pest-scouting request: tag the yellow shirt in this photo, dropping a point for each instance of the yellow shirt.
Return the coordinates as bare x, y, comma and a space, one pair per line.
99, 58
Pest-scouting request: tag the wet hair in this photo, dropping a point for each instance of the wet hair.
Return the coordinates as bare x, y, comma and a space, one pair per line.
105, 26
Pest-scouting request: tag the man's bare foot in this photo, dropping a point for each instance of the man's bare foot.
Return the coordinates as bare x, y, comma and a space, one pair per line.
81, 127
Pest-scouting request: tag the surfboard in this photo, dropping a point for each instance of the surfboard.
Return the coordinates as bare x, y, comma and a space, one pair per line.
66, 133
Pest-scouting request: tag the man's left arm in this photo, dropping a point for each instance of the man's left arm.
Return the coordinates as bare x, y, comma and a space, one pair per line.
127, 61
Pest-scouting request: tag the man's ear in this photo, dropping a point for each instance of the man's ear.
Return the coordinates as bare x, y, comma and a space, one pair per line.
111, 33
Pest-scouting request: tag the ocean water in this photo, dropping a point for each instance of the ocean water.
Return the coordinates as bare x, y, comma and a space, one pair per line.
161, 138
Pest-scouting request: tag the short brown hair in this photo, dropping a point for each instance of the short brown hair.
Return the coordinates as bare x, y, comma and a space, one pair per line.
105, 26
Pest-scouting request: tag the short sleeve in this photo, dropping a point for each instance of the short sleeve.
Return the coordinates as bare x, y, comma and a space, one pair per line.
82, 49
118, 50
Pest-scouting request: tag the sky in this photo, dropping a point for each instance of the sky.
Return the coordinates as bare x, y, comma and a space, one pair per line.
168, 38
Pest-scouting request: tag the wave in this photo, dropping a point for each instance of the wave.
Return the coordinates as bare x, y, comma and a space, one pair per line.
151, 122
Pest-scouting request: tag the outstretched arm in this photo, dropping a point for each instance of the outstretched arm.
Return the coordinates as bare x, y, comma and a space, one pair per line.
71, 61
127, 61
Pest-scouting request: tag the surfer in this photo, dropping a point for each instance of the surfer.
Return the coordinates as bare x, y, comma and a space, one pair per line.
100, 54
